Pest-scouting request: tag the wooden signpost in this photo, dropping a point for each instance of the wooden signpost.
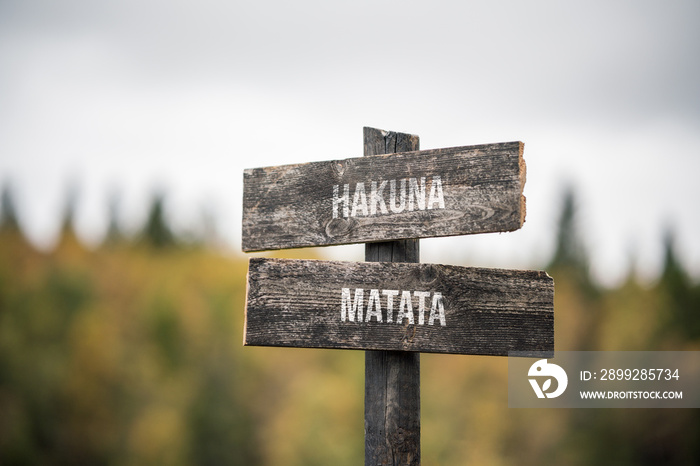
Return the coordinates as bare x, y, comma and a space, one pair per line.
392, 306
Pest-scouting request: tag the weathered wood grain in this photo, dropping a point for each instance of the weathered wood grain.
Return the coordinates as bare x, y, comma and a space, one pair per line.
297, 303
392, 378
293, 205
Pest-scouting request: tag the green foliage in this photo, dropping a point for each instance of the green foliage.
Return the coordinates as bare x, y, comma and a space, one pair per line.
114, 233
569, 250
69, 209
166, 331
570, 258
681, 296
157, 232
123, 356
8, 212
120, 357
222, 432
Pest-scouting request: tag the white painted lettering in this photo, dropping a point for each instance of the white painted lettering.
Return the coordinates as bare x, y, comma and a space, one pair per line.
405, 195
359, 200
436, 195
351, 308
374, 307
376, 198
392, 197
416, 190
421, 305
390, 303
344, 199
437, 310
405, 308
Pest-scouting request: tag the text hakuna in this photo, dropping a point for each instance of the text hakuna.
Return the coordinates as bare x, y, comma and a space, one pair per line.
406, 194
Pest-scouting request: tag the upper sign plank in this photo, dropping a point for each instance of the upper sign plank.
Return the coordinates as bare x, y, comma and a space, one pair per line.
398, 307
428, 193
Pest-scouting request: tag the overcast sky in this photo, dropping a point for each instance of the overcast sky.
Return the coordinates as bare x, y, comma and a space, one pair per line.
133, 96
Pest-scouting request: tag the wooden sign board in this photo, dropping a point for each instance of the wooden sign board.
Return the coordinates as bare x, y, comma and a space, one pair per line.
398, 307
429, 193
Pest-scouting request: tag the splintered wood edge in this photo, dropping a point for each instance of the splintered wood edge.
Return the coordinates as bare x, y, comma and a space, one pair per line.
514, 224
523, 177
245, 308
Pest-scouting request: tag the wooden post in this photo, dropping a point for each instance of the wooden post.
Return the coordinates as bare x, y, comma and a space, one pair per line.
392, 378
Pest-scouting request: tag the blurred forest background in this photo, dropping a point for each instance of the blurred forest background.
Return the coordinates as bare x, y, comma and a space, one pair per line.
131, 353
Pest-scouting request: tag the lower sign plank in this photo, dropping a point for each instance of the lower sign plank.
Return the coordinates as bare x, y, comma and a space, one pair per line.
398, 306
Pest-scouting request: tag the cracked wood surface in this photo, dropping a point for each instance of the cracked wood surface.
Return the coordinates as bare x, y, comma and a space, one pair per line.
297, 303
292, 206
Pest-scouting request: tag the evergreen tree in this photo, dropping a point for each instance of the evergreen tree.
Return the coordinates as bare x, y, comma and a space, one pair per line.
682, 297
569, 251
114, 233
570, 255
673, 277
8, 213
68, 240
68, 218
10, 230
69, 245
157, 232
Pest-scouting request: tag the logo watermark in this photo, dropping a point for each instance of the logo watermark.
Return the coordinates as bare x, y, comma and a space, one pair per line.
551, 371
604, 379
